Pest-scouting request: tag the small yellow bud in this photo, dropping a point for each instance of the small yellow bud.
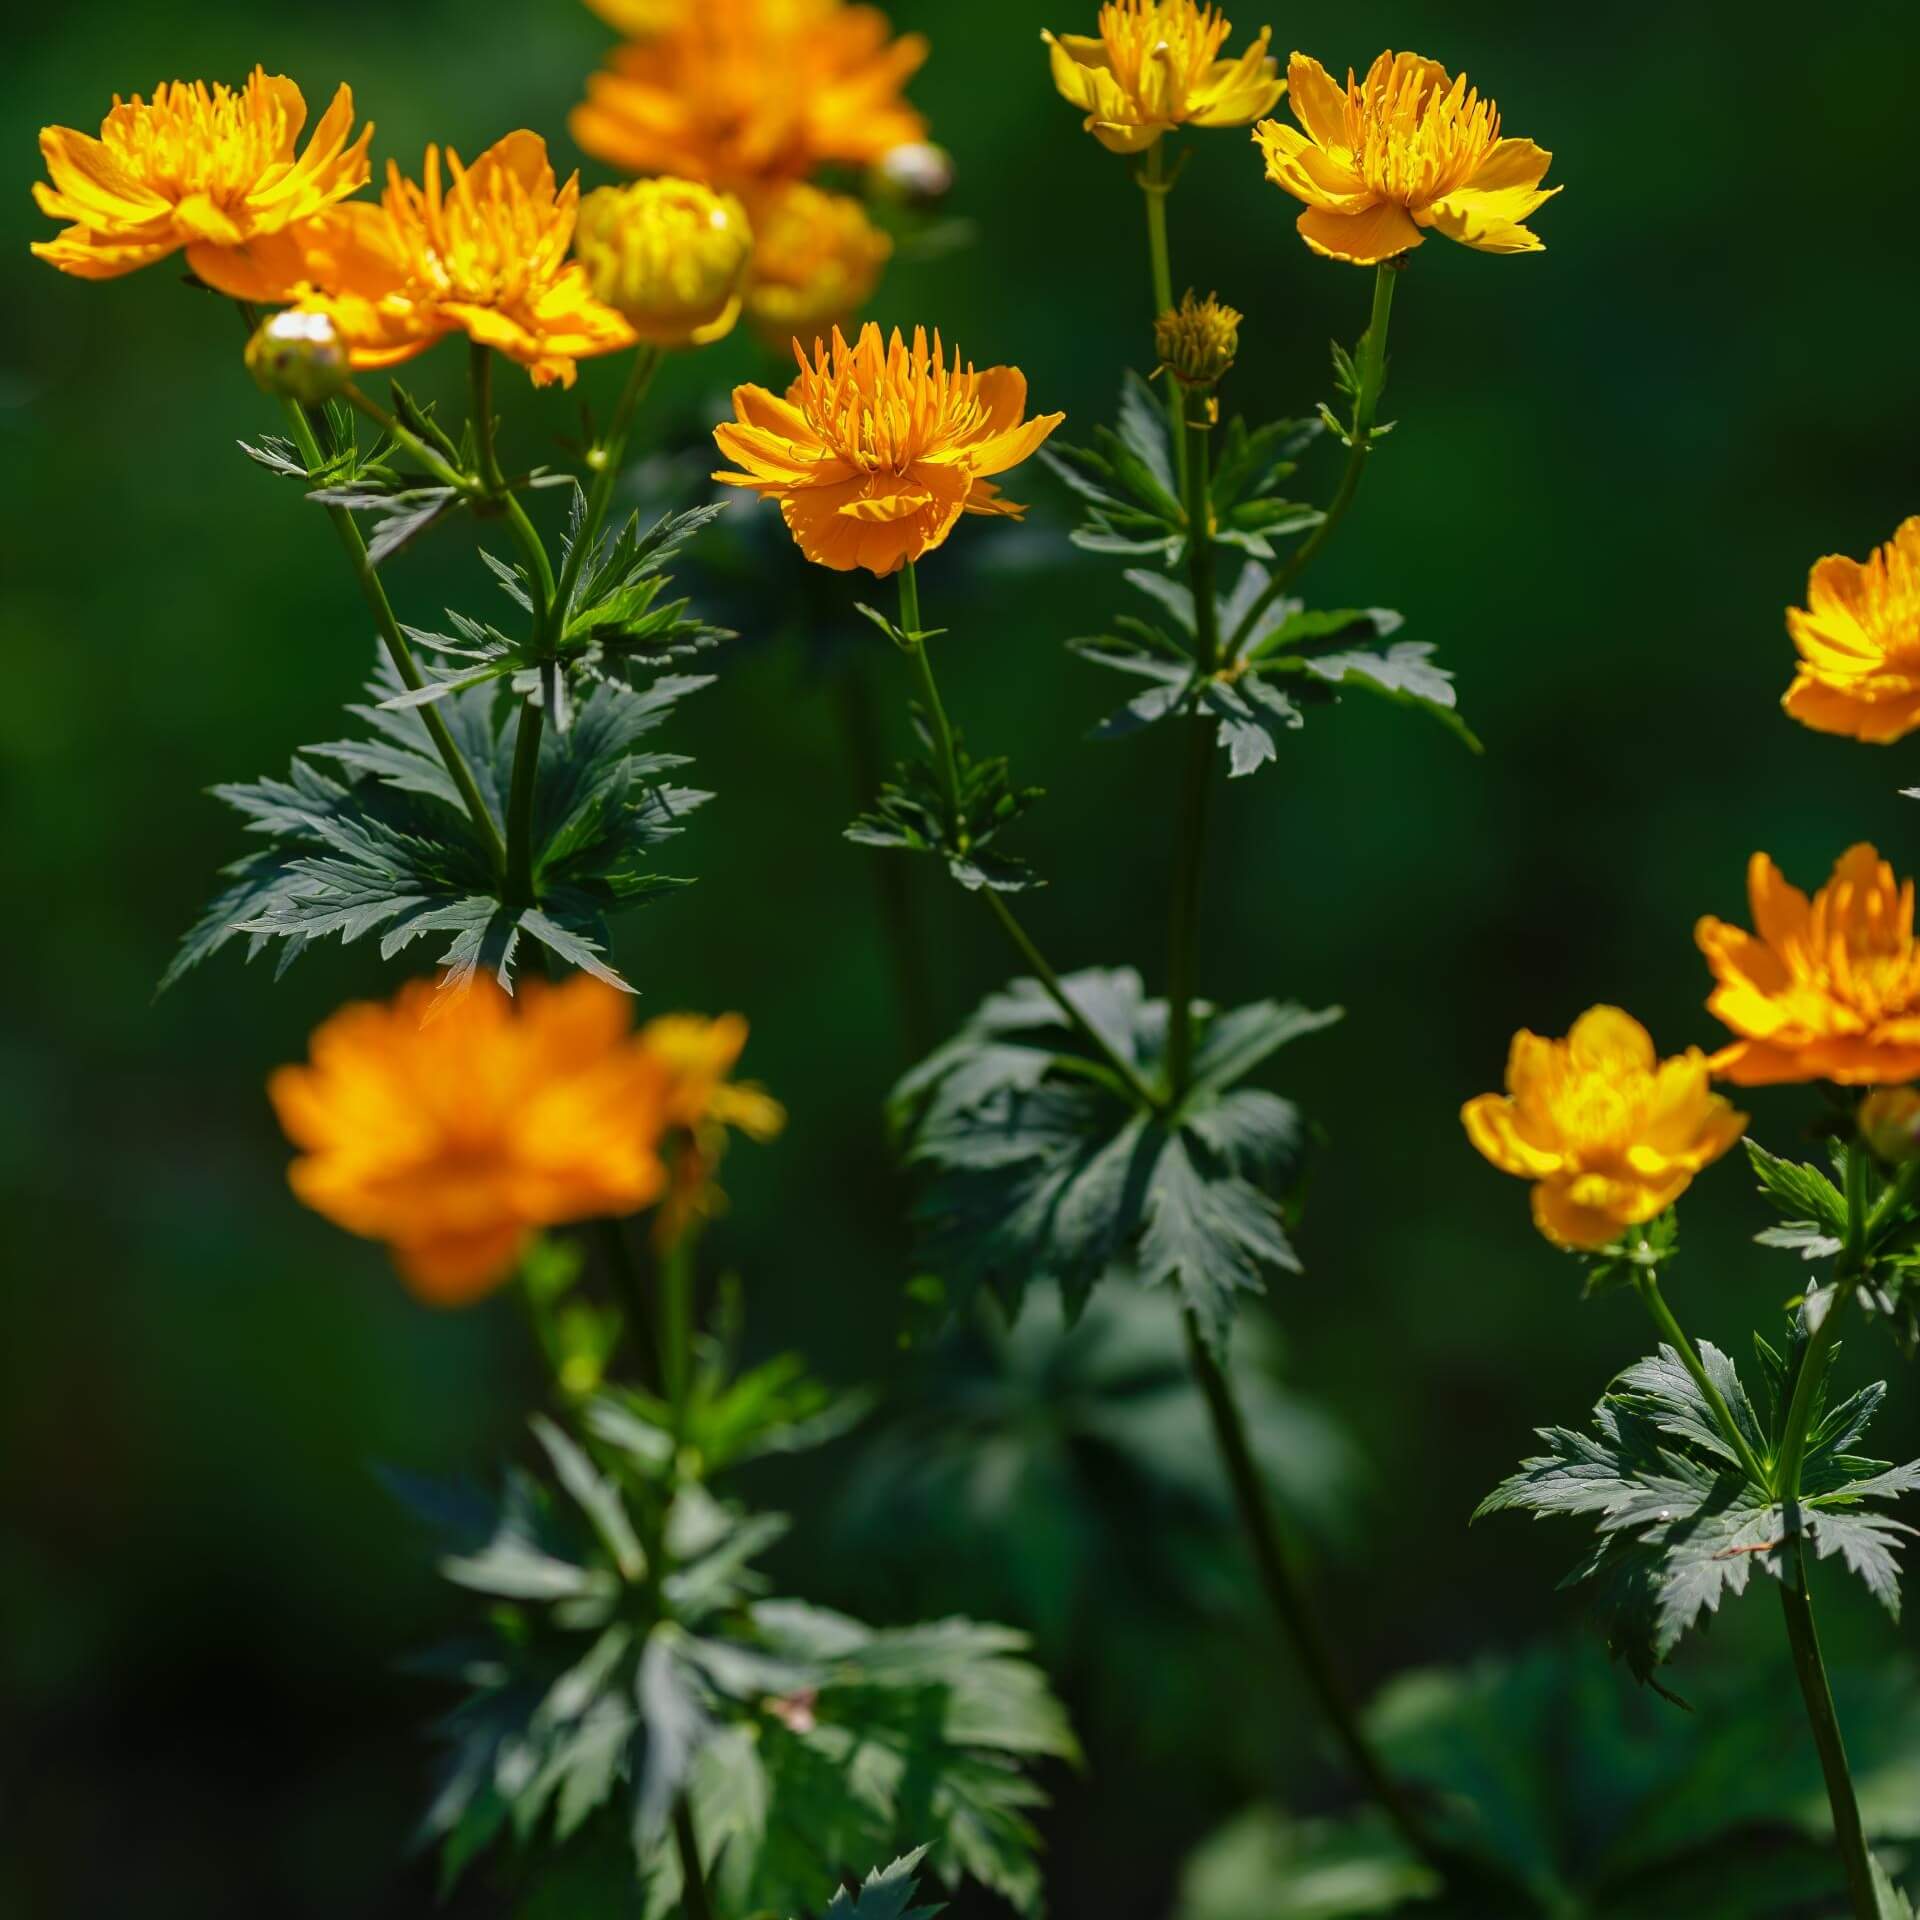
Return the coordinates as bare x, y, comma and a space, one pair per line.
299, 356
669, 256
1198, 340
918, 174
1890, 1123
816, 266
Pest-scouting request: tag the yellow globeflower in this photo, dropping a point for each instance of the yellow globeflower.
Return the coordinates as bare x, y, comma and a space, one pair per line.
483, 252
1157, 65
817, 259
1827, 989
1406, 149
1610, 1134
749, 94
453, 1131
204, 168
670, 256
1859, 641
879, 448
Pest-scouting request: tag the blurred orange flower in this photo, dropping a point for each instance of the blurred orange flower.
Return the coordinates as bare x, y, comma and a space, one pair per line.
1859, 641
1827, 989
748, 94
879, 448
453, 1130
1409, 147
484, 253
204, 168
816, 261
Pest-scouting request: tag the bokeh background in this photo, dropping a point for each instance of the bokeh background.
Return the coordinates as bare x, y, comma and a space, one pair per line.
1618, 460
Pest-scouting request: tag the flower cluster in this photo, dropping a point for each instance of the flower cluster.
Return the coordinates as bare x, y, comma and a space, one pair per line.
455, 1128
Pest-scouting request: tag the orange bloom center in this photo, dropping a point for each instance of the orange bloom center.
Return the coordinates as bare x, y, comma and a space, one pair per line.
1161, 51
195, 139
881, 410
1415, 138
489, 239
1888, 600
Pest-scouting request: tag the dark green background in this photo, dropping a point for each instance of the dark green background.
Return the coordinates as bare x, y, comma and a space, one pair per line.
1617, 461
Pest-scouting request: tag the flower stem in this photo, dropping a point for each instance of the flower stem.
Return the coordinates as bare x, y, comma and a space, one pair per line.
520, 806
1796, 1599
1648, 1288
696, 1902
1156, 186
947, 760
1815, 1689
1190, 855
533, 549
1371, 368
447, 475
606, 460
676, 1325
1298, 1625
398, 651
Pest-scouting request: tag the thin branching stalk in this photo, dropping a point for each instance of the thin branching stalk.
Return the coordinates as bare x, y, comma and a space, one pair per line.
533, 549
947, 760
1371, 367
1156, 185
1648, 1288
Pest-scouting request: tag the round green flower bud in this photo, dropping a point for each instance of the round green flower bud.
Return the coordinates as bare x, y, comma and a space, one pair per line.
299, 356
1198, 340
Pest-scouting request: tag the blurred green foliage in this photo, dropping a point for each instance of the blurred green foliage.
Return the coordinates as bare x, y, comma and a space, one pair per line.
1615, 464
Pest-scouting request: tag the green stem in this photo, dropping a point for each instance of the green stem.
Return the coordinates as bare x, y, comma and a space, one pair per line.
1815, 1689
676, 1325
446, 474
1795, 1596
1298, 1625
1648, 1288
1190, 854
606, 460
624, 1271
696, 1902
520, 806
1372, 371
1156, 186
948, 762
397, 648
533, 549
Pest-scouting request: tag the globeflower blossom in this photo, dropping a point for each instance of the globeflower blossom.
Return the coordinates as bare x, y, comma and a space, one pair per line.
816, 261
454, 1130
1609, 1134
750, 94
482, 251
880, 447
1409, 148
669, 256
1822, 989
1859, 642
1157, 65
204, 169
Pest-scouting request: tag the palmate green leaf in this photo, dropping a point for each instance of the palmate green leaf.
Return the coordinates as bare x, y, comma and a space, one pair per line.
1813, 1210
1286, 662
605, 1684
1034, 1165
1642, 1813
382, 843
913, 815
1680, 1527
887, 1893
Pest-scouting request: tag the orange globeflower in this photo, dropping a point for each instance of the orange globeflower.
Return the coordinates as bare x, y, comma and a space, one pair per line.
484, 254
879, 448
453, 1131
1859, 641
748, 94
1827, 989
1610, 1134
816, 261
199, 167
690, 1058
1406, 149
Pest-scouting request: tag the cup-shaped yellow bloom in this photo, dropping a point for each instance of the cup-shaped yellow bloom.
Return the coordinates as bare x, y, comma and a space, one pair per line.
816, 261
670, 256
1156, 65
1408, 148
1822, 989
1890, 1123
202, 168
454, 1130
1610, 1134
880, 447
481, 250
1859, 642
748, 94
